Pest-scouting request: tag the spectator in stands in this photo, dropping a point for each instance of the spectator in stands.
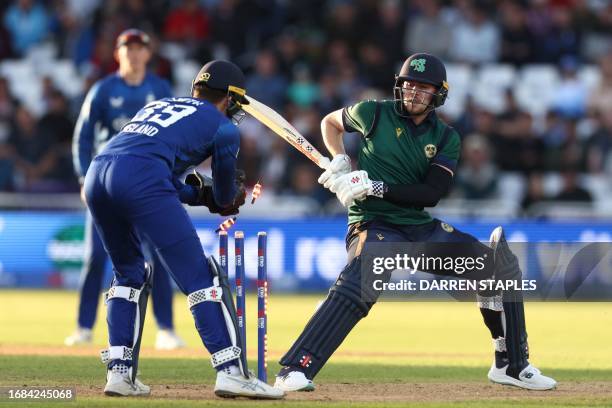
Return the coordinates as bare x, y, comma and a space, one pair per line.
7, 109
188, 24
428, 20
7, 152
571, 190
57, 126
266, 84
601, 97
559, 39
387, 31
477, 176
28, 24
475, 38
290, 51
342, 23
518, 147
6, 166
570, 96
598, 36
599, 145
516, 38
329, 99
226, 16
304, 184
303, 91
35, 157
534, 194
374, 65
6, 48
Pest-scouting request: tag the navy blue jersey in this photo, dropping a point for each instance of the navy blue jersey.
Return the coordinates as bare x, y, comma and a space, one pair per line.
110, 103
182, 133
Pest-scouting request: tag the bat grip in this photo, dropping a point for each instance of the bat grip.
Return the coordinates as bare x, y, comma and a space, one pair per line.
323, 162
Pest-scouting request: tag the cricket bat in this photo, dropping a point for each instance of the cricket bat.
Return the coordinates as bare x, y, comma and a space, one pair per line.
279, 125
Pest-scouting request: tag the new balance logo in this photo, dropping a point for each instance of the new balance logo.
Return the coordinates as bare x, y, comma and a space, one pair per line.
355, 180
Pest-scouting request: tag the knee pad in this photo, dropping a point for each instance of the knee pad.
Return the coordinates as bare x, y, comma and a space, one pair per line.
221, 293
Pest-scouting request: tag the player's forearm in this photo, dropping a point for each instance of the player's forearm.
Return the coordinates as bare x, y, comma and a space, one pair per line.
187, 194
437, 184
332, 132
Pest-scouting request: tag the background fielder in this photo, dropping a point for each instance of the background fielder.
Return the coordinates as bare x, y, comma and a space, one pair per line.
110, 103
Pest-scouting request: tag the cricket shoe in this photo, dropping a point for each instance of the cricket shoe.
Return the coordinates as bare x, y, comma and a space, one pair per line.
289, 379
232, 386
529, 378
119, 383
78, 337
168, 340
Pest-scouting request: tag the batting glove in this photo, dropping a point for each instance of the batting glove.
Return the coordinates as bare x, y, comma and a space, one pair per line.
356, 186
340, 164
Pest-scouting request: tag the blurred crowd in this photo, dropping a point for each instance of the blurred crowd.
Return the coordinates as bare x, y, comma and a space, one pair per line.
307, 58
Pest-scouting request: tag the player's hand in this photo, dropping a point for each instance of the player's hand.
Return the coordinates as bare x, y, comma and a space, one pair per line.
203, 185
352, 186
239, 198
340, 165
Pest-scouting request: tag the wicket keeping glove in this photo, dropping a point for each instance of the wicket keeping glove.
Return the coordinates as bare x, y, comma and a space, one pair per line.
340, 164
205, 194
356, 186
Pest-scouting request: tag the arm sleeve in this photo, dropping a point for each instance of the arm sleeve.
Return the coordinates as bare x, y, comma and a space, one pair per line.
225, 155
437, 184
448, 151
83, 137
359, 117
187, 194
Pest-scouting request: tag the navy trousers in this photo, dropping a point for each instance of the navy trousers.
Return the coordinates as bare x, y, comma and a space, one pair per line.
92, 276
132, 197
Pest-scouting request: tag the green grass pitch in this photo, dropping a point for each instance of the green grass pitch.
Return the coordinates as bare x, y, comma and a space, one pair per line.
403, 354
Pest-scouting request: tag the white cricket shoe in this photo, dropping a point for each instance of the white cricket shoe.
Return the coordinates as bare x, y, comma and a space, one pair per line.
119, 383
231, 386
293, 381
168, 340
529, 378
79, 336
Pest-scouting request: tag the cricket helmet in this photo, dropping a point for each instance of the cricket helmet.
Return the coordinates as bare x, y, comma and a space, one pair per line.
424, 68
222, 76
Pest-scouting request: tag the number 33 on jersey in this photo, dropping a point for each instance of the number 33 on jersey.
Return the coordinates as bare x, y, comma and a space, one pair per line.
163, 113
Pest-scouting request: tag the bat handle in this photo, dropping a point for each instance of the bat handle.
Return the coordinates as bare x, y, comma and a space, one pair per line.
323, 162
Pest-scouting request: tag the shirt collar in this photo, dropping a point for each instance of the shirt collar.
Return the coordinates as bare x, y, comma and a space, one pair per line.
429, 122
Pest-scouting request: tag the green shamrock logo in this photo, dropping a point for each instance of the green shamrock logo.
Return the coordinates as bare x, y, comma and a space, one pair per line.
418, 64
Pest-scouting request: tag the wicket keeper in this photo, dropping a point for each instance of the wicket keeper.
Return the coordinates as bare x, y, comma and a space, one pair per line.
133, 190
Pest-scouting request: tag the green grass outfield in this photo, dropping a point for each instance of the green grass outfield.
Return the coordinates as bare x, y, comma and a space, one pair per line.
437, 351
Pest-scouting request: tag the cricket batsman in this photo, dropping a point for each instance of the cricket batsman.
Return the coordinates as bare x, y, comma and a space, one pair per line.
407, 161
133, 190
111, 103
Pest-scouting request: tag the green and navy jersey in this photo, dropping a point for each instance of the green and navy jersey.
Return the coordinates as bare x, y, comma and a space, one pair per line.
396, 151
